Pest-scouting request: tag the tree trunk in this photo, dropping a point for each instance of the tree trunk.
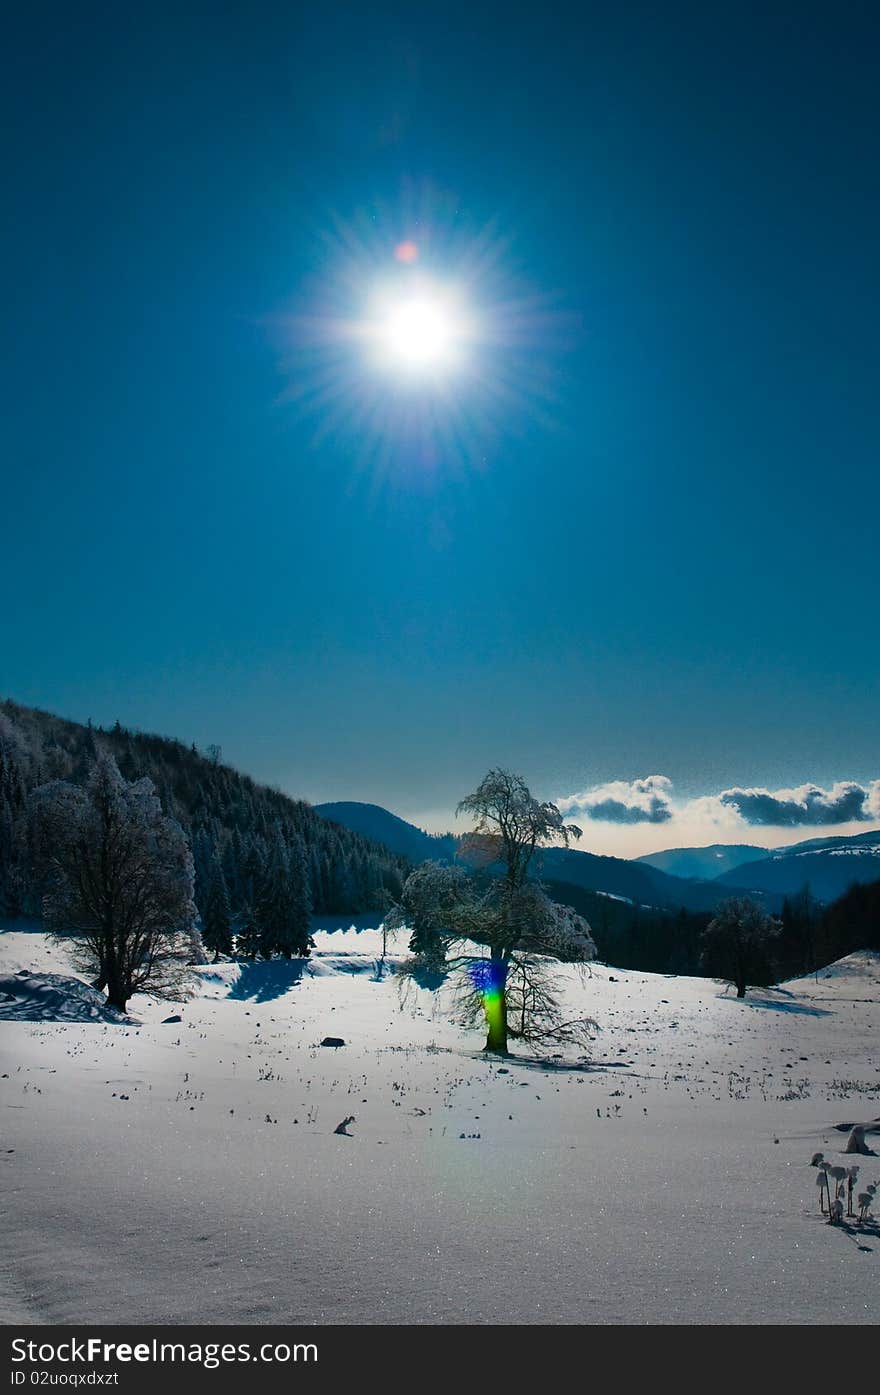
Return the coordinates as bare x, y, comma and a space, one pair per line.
116, 994
495, 1007
740, 990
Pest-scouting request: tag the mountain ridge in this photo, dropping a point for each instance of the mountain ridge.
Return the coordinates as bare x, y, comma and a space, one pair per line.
829, 867
706, 863
627, 879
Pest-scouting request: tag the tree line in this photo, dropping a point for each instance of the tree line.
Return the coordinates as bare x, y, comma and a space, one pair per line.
259, 857
127, 863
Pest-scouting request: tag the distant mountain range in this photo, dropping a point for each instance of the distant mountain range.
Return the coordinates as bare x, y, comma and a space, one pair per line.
618, 877
705, 863
829, 866
696, 878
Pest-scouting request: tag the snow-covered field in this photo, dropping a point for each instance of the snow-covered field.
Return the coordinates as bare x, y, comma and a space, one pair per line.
189, 1171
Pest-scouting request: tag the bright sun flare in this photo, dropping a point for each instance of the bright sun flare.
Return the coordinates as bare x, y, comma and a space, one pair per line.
418, 330
419, 333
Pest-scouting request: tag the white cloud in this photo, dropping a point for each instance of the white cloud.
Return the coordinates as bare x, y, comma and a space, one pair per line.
651, 801
623, 801
805, 806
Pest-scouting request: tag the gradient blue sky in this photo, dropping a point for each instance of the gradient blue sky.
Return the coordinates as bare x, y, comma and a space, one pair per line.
659, 557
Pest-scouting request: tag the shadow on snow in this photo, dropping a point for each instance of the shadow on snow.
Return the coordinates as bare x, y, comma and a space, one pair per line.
783, 1001
262, 981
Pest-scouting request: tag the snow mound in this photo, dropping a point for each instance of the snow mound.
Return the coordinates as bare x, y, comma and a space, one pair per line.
32, 997
861, 968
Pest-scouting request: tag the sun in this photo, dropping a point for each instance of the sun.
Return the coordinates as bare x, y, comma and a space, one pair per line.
418, 344
419, 332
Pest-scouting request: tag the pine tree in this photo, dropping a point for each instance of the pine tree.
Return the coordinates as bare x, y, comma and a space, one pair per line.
283, 906
247, 937
252, 872
297, 939
216, 915
203, 853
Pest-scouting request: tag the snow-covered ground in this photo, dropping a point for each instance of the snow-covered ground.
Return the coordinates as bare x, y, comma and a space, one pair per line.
189, 1171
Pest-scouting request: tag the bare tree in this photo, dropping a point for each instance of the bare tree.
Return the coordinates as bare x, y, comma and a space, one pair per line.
118, 879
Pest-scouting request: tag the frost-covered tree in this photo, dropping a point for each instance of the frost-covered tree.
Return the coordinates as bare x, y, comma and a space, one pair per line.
118, 881
524, 931
510, 825
737, 944
514, 917
431, 898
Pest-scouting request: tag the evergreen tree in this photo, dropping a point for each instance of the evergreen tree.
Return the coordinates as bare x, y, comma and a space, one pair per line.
247, 936
283, 905
216, 915
297, 938
252, 872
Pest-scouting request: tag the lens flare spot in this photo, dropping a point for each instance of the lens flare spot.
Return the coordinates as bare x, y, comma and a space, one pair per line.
406, 252
488, 978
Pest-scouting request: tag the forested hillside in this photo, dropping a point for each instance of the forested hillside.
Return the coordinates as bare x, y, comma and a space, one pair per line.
248, 841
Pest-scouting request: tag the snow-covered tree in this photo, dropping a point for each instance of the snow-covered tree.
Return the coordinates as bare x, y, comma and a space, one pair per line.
428, 905
510, 825
534, 1010
737, 944
524, 931
118, 881
451, 914
514, 917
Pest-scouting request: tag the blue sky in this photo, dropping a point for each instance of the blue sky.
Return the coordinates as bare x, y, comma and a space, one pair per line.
657, 556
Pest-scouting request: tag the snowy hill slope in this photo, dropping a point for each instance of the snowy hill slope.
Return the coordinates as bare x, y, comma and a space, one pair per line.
664, 1180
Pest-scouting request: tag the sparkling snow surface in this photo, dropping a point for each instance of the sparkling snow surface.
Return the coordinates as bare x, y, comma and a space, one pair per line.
189, 1172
